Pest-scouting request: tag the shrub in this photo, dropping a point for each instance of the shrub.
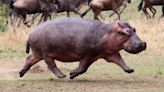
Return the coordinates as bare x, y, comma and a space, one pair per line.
3, 18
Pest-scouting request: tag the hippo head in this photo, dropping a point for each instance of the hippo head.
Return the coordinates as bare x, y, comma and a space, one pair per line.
125, 37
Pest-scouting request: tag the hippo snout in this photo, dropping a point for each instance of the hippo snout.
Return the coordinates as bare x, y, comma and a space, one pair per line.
134, 49
139, 46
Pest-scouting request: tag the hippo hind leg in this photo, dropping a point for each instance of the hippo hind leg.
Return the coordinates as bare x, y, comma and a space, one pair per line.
30, 61
52, 66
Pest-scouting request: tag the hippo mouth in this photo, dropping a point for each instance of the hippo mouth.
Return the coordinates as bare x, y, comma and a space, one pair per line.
135, 50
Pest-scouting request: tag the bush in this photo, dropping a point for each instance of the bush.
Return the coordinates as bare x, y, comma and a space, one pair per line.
3, 18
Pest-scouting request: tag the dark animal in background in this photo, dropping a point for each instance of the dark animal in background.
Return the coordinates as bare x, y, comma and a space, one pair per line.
103, 5
149, 4
44, 15
121, 9
73, 39
6, 2
71, 6
20, 8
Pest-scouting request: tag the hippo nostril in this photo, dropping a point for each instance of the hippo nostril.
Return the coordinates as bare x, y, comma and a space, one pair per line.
143, 44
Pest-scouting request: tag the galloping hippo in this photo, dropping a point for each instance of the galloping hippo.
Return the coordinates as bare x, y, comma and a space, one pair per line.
73, 39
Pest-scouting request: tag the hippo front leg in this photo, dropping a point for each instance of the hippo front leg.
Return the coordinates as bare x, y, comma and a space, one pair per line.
117, 59
83, 66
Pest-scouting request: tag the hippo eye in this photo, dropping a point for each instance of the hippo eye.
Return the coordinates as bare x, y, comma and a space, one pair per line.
134, 30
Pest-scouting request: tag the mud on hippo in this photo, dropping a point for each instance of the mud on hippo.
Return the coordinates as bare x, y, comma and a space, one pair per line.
86, 41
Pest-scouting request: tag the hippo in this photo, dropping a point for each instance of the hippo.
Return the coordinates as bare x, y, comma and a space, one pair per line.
81, 40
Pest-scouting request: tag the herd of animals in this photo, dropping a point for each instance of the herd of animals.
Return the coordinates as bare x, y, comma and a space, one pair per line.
77, 39
22, 8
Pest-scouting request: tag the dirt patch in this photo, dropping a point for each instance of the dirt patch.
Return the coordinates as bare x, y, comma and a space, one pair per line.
8, 73
7, 70
38, 69
13, 74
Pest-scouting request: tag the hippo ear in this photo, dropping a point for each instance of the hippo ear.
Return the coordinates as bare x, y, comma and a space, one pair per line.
118, 23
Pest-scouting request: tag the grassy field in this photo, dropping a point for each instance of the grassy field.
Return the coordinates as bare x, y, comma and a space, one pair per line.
101, 76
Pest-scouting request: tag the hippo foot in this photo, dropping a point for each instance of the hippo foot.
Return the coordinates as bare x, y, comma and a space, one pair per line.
129, 71
73, 74
72, 77
21, 73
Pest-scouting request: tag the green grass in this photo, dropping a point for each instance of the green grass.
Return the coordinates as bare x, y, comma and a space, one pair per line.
101, 76
3, 18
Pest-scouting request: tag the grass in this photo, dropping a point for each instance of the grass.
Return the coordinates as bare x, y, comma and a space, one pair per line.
3, 18
101, 76
148, 77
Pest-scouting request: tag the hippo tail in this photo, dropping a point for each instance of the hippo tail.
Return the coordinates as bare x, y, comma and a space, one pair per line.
27, 47
140, 5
